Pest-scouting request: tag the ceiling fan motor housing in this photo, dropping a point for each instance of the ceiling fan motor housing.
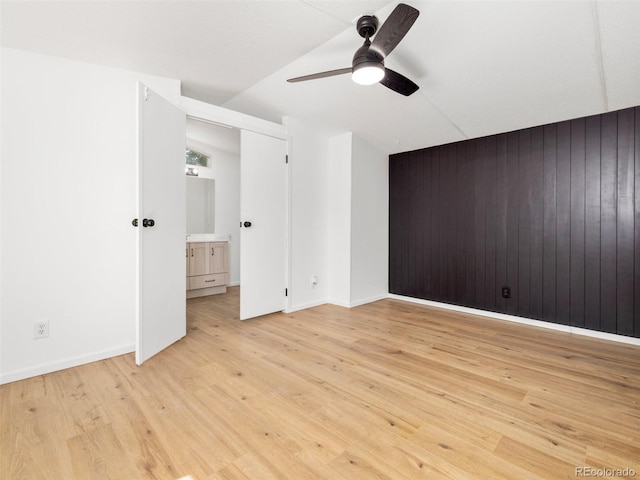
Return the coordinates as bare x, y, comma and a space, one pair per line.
367, 26
365, 56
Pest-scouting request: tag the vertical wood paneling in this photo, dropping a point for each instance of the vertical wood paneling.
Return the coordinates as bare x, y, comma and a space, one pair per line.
419, 215
537, 218
427, 208
563, 224
413, 189
436, 221
501, 220
608, 211
577, 186
403, 234
550, 224
636, 303
408, 232
395, 222
492, 287
480, 221
443, 233
625, 223
513, 237
592, 224
452, 280
552, 212
467, 214
524, 223
439, 221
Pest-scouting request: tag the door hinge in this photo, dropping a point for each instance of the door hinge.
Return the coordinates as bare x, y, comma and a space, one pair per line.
286, 159
146, 93
286, 292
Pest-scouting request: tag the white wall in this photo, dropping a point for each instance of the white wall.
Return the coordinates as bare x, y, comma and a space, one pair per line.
358, 221
339, 219
339, 225
308, 216
225, 169
369, 223
68, 196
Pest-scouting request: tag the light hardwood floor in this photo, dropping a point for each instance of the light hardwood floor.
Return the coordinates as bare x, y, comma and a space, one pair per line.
388, 390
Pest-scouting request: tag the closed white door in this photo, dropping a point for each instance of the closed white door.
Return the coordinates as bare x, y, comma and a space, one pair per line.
161, 313
263, 232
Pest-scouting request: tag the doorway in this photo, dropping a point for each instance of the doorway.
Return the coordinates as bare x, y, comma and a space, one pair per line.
222, 208
263, 205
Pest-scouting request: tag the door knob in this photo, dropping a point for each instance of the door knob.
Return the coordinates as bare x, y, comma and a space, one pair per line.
247, 224
148, 222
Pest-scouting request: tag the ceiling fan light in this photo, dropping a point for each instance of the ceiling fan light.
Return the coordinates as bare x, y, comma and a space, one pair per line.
368, 74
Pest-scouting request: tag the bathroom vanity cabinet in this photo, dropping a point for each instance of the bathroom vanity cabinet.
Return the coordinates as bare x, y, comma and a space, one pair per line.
207, 268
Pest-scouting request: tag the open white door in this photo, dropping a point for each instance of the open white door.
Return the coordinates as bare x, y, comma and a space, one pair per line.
161, 314
263, 213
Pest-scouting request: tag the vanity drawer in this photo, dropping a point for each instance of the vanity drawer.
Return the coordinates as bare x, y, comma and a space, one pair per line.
205, 281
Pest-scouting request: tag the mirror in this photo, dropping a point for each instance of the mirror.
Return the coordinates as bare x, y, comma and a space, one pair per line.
201, 194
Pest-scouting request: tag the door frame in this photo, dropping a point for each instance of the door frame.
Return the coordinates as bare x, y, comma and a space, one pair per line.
206, 112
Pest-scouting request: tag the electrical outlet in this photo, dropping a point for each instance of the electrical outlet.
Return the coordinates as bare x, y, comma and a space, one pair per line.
314, 281
506, 292
40, 329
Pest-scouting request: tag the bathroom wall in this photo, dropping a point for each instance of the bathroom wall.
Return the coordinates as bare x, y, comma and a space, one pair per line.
225, 169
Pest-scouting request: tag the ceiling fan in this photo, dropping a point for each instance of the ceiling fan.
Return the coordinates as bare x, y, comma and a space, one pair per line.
368, 62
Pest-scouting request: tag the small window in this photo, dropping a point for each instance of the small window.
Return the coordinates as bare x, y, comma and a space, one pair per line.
197, 158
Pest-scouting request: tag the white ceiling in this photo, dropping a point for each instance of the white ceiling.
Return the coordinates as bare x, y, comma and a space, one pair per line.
482, 67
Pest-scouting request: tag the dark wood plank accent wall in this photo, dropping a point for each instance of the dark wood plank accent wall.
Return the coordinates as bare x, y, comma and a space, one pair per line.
551, 212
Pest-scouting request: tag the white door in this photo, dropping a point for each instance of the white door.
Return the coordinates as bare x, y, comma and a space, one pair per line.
161, 313
263, 232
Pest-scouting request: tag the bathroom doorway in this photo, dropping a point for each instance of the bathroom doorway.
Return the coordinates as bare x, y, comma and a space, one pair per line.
213, 194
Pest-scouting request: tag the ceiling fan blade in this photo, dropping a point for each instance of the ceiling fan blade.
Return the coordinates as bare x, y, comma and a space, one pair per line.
394, 29
398, 83
313, 76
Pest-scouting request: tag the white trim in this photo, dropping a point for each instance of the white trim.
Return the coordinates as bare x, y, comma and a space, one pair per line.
304, 306
212, 113
364, 301
526, 321
339, 303
64, 364
289, 269
357, 303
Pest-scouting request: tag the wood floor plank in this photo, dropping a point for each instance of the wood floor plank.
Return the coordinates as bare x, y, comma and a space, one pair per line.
388, 390
533, 460
98, 454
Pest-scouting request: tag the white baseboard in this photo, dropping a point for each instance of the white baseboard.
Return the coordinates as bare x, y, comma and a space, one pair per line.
364, 301
357, 303
526, 321
63, 364
295, 308
233, 284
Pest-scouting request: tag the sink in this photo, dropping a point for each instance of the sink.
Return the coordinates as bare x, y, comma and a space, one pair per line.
208, 237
